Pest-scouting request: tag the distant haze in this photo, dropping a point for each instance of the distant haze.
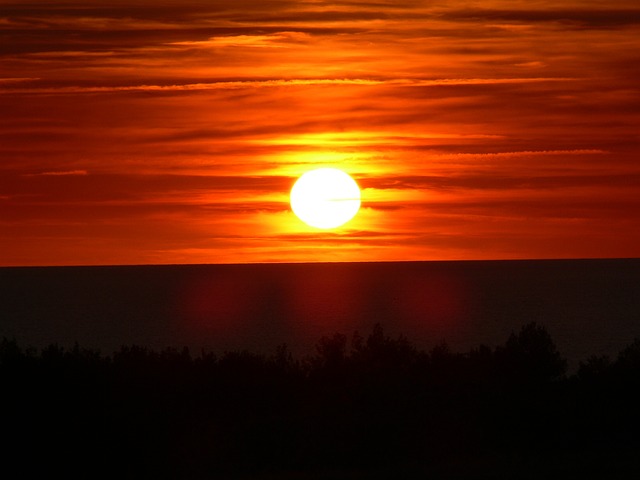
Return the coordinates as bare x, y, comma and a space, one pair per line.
589, 306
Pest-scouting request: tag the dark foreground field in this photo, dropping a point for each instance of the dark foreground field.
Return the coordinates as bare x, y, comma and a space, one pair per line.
371, 406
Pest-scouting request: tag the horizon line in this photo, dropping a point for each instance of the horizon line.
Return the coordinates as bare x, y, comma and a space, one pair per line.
369, 262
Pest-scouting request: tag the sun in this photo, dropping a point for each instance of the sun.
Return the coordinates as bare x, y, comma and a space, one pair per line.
325, 198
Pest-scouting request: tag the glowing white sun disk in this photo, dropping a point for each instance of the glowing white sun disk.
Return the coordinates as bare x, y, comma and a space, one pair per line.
325, 198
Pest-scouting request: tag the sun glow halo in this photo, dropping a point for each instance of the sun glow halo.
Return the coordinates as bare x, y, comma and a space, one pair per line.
325, 198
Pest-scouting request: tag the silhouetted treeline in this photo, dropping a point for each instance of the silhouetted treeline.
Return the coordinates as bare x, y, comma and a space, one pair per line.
359, 407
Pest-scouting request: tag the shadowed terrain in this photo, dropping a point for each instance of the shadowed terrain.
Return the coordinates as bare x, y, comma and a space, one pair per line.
368, 406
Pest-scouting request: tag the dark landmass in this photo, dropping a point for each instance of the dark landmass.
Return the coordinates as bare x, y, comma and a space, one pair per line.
372, 406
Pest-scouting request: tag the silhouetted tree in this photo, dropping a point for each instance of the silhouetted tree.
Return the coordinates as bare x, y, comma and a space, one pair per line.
10, 352
382, 353
530, 356
331, 351
593, 367
381, 406
629, 357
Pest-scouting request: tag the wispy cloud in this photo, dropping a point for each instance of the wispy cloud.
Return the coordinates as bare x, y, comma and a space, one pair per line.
17, 80
607, 16
174, 132
248, 84
60, 173
275, 40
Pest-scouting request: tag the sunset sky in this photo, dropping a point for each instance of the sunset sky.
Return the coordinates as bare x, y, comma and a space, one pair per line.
143, 132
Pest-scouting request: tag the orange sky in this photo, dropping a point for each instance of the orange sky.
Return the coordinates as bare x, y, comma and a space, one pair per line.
132, 133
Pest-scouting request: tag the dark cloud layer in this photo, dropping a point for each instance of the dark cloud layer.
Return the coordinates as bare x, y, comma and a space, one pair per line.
580, 17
